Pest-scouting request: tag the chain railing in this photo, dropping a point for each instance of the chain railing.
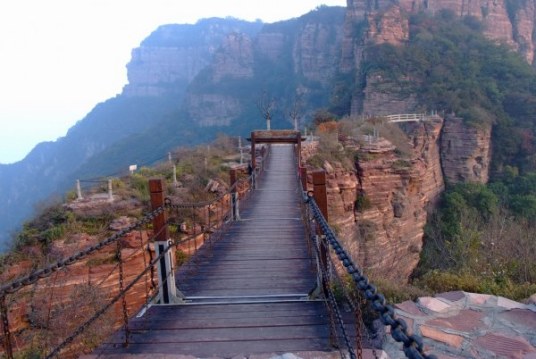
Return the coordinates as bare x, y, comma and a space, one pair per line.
412, 344
65, 298
339, 337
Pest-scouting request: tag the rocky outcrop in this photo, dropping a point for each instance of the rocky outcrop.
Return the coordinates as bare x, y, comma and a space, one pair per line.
384, 97
316, 51
152, 70
57, 305
174, 55
466, 152
389, 27
380, 208
213, 109
508, 22
234, 59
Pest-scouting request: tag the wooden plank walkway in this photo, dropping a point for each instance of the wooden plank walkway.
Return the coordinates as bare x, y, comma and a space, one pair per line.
248, 292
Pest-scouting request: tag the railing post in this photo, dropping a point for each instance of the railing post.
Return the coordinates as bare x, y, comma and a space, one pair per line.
175, 182
320, 192
298, 148
79, 189
303, 177
110, 192
234, 195
166, 265
253, 157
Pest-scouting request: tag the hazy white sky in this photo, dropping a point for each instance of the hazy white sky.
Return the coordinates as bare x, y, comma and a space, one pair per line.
59, 58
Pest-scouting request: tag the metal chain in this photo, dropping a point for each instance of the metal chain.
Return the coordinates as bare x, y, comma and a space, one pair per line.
412, 344
8, 347
358, 332
142, 247
123, 298
153, 284
103, 310
33, 277
356, 309
333, 308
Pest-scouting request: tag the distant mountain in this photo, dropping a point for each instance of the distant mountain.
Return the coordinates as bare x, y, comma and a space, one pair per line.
186, 84
189, 82
155, 92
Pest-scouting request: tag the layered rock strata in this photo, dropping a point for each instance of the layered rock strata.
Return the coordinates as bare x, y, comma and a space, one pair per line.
379, 209
466, 151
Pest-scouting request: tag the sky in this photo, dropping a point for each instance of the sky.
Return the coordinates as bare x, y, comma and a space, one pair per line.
59, 58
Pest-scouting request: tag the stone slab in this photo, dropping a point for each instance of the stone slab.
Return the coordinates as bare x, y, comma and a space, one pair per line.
465, 321
410, 307
506, 347
452, 340
479, 299
523, 317
453, 296
434, 304
509, 304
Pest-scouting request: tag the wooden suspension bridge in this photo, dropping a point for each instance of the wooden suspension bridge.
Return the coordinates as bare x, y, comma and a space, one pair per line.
264, 286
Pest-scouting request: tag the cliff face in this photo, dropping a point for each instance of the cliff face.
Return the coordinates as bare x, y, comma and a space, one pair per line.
174, 54
507, 21
466, 152
385, 235
286, 60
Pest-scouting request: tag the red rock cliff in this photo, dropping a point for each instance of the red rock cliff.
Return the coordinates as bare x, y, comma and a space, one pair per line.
385, 236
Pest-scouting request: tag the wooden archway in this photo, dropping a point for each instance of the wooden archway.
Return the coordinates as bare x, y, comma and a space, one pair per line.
275, 136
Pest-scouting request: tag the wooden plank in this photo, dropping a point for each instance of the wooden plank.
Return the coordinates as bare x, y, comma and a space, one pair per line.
241, 322
220, 349
225, 334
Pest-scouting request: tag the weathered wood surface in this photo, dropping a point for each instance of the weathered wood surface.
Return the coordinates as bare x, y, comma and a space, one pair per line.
248, 290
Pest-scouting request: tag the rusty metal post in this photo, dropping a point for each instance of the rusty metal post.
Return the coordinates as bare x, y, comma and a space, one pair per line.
234, 195
321, 199
303, 177
157, 190
320, 192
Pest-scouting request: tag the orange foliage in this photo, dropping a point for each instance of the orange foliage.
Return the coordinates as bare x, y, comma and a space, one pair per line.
328, 127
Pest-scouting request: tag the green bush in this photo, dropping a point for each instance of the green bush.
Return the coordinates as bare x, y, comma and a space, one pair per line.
437, 282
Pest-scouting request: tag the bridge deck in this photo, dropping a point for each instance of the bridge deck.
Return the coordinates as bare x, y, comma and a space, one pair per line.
248, 291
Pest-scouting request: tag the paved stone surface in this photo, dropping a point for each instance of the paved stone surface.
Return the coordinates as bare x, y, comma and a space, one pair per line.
468, 325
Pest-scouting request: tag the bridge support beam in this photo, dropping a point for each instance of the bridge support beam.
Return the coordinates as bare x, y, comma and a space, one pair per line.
167, 291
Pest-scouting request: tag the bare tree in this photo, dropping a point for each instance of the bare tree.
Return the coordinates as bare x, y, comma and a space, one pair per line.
266, 105
295, 111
